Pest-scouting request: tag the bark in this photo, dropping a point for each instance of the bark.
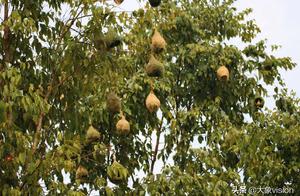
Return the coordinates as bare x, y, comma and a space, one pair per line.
156, 146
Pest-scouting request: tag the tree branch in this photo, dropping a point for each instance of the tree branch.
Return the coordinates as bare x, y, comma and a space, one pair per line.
67, 27
40, 122
6, 53
6, 35
156, 145
50, 88
27, 175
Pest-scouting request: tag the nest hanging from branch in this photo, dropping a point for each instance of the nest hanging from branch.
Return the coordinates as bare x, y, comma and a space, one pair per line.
92, 134
259, 102
118, 2
123, 126
81, 173
158, 42
113, 103
154, 68
112, 39
152, 102
108, 41
223, 73
154, 3
117, 173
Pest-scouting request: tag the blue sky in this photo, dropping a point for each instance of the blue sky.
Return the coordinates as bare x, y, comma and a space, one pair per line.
279, 23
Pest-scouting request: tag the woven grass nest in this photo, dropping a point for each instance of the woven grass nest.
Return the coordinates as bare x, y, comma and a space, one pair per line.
107, 41
118, 2
113, 103
223, 73
154, 3
259, 102
158, 42
92, 134
81, 173
123, 126
154, 68
117, 173
152, 102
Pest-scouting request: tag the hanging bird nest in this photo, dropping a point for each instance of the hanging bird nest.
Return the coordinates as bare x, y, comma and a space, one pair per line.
259, 102
123, 126
113, 103
112, 39
154, 68
108, 41
118, 2
81, 173
158, 42
92, 134
152, 102
223, 73
268, 64
117, 173
154, 3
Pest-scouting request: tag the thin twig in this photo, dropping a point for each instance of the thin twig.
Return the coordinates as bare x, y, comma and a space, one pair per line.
27, 175
156, 145
40, 122
67, 27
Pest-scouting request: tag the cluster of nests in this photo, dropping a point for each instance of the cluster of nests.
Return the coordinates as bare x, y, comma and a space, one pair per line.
116, 172
223, 75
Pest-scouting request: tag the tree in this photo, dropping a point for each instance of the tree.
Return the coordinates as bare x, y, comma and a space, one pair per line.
61, 61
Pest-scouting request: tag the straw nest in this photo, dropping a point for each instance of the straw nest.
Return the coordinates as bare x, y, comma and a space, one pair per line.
152, 102
123, 126
92, 134
154, 68
154, 3
158, 42
223, 73
113, 103
81, 172
118, 2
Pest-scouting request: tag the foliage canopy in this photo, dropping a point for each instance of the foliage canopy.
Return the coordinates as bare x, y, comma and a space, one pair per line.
60, 59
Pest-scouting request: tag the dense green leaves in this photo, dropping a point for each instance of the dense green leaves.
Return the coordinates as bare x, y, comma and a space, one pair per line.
64, 59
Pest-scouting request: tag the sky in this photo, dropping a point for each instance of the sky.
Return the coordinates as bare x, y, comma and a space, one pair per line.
279, 24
